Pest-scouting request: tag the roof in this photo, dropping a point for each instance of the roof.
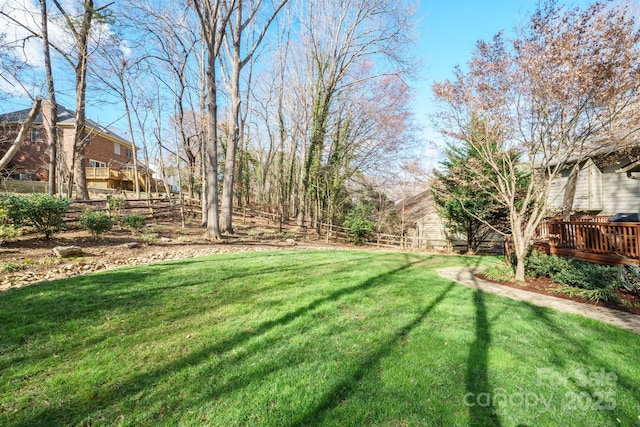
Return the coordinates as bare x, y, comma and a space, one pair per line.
416, 207
65, 117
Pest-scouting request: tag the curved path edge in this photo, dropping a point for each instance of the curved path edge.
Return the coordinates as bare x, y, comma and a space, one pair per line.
466, 276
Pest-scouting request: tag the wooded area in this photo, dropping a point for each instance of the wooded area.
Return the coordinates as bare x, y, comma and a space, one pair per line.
299, 105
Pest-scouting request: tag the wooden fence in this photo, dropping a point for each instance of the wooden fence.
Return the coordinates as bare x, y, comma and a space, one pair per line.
336, 233
151, 209
170, 208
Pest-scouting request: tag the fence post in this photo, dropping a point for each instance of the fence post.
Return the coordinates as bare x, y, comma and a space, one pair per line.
637, 239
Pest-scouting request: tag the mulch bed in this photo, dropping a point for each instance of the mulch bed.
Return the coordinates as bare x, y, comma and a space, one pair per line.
629, 302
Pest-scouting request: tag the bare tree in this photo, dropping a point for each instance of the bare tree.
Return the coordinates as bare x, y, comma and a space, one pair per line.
115, 69
80, 31
243, 15
213, 21
552, 96
51, 115
340, 41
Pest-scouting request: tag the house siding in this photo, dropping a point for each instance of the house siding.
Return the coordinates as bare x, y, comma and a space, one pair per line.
589, 190
102, 149
621, 193
601, 191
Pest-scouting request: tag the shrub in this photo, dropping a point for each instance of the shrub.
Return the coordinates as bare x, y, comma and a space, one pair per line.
115, 206
7, 230
41, 211
96, 222
150, 238
45, 212
538, 264
586, 275
16, 209
500, 272
134, 221
358, 224
572, 272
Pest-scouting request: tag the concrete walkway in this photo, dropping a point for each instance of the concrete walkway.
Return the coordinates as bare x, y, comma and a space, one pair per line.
465, 276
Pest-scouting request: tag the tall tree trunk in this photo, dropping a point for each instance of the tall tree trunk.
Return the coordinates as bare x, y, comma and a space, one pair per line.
81, 37
50, 116
211, 157
570, 193
230, 159
234, 119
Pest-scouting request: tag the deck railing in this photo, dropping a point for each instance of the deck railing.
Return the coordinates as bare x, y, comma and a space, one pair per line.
103, 173
596, 239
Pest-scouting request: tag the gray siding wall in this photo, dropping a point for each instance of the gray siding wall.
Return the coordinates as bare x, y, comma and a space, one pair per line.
602, 191
589, 190
620, 193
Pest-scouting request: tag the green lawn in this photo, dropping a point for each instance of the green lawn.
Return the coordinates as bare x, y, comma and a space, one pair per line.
288, 338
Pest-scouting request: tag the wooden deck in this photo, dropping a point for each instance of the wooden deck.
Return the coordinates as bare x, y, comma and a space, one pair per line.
114, 178
594, 239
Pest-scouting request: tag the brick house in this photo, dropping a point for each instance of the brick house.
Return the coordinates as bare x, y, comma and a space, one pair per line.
108, 157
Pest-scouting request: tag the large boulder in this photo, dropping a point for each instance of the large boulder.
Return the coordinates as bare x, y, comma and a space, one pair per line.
67, 251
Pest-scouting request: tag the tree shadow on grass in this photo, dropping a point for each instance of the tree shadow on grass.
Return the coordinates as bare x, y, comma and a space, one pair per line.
48, 309
590, 361
479, 397
342, 389
75, 410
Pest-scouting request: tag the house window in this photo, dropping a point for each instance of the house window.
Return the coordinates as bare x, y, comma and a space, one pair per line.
36, 134
129, 153
117, 148
97, 164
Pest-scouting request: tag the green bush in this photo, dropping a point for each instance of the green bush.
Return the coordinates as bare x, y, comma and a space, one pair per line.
8, 232
538, 264
46, 212
500, 272
97, 222
585, 275
134, 221
115, 206
7, 229
572, 272
16, 208
41, 211
358, 224
149, 238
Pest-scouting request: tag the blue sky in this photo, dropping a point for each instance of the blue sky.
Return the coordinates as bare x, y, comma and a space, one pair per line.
448, 32
446, 36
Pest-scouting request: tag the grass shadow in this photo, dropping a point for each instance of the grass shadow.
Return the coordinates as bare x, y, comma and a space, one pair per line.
75, 410
479, 397
342, 389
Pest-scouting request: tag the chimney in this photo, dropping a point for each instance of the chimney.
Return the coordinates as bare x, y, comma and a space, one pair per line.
46, 112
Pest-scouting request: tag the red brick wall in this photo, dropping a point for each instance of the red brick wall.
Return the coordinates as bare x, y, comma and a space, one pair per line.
102, 149
32, 157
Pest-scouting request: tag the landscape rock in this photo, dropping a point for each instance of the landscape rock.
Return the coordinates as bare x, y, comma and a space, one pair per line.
67, 251
130, 245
